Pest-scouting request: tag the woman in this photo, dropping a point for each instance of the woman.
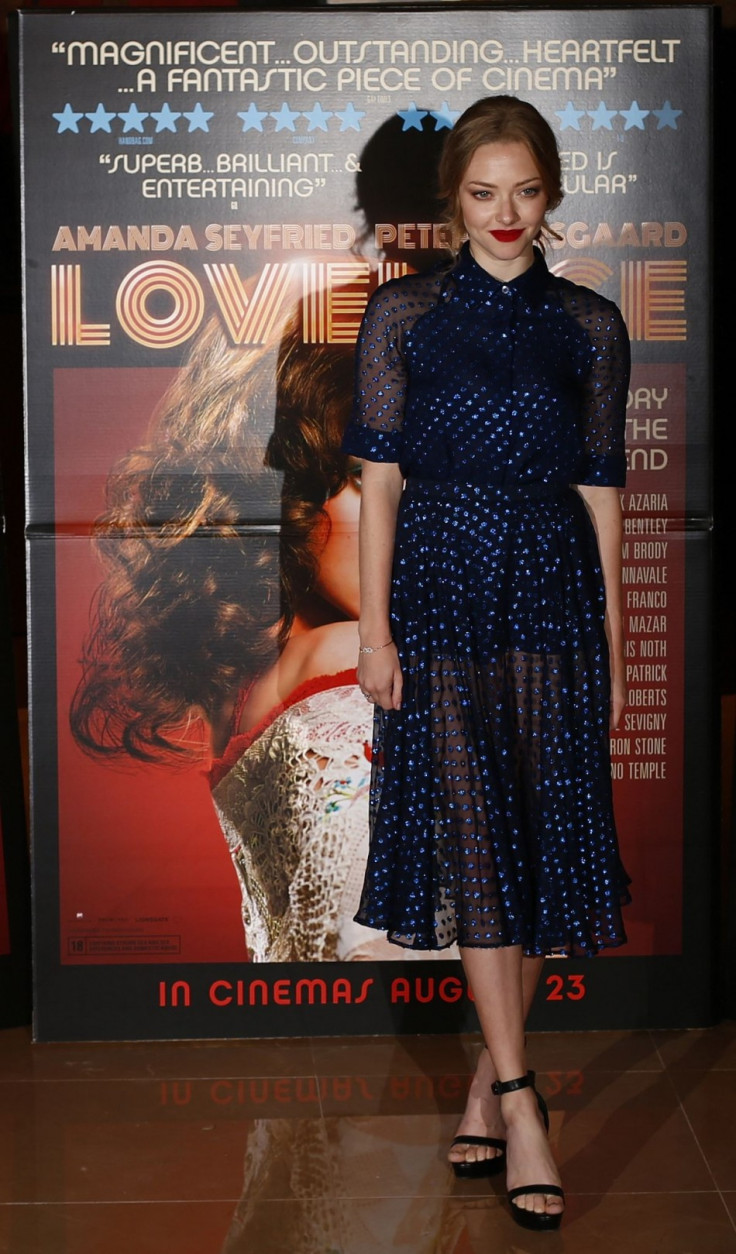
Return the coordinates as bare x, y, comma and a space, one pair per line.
226, 625
490, 625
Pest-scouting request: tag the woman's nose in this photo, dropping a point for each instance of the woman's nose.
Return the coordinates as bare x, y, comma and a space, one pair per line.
507, 211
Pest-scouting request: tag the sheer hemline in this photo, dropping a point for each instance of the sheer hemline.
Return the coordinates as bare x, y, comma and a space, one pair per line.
553, 949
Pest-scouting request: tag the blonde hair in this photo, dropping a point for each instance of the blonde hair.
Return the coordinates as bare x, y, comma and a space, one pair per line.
497, 119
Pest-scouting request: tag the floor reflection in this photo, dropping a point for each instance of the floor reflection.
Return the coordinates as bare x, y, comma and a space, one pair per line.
338, 1147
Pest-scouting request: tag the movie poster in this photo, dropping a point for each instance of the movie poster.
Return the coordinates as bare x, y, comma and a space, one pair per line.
209, 200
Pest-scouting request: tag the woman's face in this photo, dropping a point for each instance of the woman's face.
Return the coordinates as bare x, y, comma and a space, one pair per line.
503, 202
337, 578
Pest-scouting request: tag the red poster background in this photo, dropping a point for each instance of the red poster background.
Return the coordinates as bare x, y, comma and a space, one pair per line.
137, 843
652, 807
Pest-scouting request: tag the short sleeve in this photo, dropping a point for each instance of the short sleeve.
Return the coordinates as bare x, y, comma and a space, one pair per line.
604, 396
375, 430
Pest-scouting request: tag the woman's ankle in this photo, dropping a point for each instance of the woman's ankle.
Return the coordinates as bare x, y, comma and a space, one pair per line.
519, 1105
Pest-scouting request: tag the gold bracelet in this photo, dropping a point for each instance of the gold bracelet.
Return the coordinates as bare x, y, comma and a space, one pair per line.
377, 648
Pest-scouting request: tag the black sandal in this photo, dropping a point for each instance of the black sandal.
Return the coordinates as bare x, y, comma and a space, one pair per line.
484, 1166
533, 1220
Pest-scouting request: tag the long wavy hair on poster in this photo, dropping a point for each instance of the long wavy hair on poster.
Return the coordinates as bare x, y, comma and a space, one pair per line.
210, 540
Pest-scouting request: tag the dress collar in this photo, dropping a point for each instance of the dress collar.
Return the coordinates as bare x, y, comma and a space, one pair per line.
477, 287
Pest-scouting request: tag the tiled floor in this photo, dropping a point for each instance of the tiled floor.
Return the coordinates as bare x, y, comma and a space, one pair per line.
337, 1147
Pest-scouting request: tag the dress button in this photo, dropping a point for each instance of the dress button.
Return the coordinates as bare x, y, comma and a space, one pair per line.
505, 290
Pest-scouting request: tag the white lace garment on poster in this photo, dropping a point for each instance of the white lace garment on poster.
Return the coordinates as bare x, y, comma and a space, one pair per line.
292, 799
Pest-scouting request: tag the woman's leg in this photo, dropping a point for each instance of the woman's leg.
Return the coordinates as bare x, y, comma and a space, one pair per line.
482, 1115
495, 976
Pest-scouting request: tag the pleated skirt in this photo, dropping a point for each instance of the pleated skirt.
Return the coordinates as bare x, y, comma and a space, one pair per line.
491, 803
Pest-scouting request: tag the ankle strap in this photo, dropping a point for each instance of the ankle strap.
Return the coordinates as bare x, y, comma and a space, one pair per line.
499, 1087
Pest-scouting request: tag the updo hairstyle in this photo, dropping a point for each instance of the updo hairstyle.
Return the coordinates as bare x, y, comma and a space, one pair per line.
493, 120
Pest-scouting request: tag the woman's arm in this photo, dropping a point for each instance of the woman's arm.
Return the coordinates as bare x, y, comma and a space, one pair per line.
604, 507
379, 674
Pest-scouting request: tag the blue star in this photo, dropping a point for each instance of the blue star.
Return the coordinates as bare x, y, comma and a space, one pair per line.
634, 116
68, 120
350, 117
166, 119
317, 118
133, 119
100, 120
252, 118
667, 116
412, 117
602, 117
198, 119
570, 117
284, 118
444, 117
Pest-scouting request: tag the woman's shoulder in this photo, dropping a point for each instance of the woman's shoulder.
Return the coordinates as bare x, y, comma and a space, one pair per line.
327, 650
584, 301
406, 291
321, 651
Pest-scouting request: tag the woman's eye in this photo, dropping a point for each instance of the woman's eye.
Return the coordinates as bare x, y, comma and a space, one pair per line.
481, 194
528, 192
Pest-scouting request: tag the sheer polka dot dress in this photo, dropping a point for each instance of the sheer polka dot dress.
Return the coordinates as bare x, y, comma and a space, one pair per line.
491, 808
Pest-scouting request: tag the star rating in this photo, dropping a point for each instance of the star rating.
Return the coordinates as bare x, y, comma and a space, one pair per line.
317, 118
253, 118
667, 116
132, 119
100, 120
412, 117
444, 117
602, 117
198, 119
68, 120
350, 117
570, 117
285, 118
634, 116
166, 119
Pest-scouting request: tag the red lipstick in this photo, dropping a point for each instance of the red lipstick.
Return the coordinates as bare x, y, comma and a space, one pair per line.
506, 237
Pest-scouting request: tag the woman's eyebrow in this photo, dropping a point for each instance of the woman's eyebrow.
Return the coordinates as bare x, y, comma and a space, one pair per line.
534, 178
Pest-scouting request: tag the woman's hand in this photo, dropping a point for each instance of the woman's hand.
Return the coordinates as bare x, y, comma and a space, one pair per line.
604, 506
379, 672
619, 698
379, 677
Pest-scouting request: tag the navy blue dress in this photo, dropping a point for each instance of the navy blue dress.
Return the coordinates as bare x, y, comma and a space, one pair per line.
491, 815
